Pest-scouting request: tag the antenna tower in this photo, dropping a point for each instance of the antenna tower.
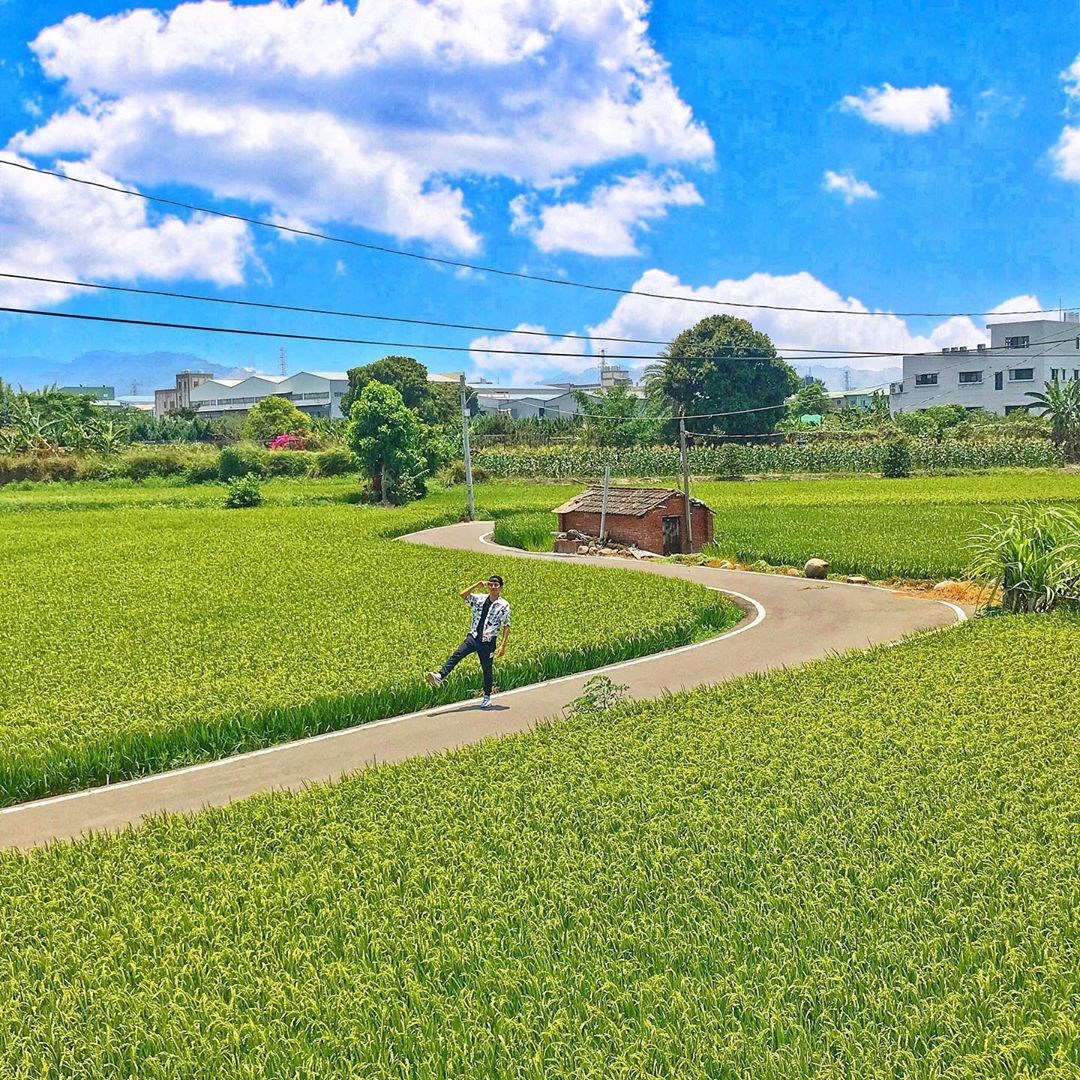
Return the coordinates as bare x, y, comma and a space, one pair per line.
281, 359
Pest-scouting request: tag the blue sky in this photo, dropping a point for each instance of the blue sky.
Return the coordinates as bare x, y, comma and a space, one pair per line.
884, 156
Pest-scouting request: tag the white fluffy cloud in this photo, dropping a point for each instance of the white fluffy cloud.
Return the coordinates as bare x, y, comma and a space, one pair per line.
1066, 152
527, 370
847, 186
57, 229
606, 224
643, 317
913, 110
370, 116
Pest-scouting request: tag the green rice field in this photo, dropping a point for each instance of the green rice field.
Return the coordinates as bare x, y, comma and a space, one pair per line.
868, 867
145, 634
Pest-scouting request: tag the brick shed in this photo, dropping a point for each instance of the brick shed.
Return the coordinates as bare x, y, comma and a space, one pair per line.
652, 518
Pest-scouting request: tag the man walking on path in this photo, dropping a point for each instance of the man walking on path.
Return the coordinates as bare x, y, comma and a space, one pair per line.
490, 614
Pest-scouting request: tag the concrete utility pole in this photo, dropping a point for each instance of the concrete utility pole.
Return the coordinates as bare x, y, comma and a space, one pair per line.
470, 505
684, 458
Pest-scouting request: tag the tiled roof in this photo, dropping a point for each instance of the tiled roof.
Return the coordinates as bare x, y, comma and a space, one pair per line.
634, 502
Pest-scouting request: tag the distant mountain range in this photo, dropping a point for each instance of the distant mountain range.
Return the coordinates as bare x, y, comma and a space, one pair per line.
130, 373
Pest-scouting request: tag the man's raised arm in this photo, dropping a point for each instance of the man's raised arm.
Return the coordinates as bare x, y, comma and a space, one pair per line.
465, 593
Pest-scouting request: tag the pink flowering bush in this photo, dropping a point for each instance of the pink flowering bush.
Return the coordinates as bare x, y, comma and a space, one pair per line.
287, 442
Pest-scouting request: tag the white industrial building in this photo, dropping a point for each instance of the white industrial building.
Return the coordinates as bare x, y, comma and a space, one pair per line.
317, 393
1021, 357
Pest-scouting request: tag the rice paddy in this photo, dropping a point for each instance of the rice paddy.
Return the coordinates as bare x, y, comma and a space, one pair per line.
868, 867
134, 639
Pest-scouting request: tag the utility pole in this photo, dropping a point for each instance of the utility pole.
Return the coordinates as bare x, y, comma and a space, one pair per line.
684, 458
469, 503
603, 504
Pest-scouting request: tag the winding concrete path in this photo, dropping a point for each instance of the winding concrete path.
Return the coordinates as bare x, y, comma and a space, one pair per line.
789, 621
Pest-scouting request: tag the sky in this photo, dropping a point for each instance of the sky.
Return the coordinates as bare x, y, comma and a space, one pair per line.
885, 157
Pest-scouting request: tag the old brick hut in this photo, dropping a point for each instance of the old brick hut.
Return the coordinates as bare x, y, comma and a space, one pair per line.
654, 519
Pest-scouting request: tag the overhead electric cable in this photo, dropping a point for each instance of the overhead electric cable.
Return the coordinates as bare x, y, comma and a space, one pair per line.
412, 345
829, 354
479, 268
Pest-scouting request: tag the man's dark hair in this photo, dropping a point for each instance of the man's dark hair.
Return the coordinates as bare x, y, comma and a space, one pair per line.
496, 577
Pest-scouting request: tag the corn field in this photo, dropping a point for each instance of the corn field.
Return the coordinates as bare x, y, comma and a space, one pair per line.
585, 462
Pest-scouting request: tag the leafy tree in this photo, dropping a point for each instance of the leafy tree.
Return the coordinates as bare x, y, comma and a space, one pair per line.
811, 400
1060, 404
275, 416
403, 373
604, 413
434, 403
722, 364
389, 441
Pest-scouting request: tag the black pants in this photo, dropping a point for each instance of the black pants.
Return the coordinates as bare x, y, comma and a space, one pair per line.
485, 653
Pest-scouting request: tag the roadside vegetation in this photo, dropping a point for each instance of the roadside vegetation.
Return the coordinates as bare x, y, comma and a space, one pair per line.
865, 867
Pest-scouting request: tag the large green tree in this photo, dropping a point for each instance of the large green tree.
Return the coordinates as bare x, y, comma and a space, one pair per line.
275, 416
389, 440
722, 364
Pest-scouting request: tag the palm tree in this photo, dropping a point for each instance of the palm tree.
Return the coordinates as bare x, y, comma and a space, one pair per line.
1061, 404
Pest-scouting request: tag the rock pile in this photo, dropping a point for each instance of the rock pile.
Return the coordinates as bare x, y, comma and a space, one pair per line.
573, 542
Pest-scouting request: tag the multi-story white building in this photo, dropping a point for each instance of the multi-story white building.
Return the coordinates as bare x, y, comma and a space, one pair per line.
1021, 356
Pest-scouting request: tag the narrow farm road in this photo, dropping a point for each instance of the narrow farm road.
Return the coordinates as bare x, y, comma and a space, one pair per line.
789, 621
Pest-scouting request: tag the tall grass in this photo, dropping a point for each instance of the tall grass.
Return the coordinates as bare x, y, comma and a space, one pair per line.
1032, 555
533, 531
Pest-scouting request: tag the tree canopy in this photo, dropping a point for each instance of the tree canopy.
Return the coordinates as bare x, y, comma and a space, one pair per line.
605, 413
722, 364
275, 416
434, 403
388, 439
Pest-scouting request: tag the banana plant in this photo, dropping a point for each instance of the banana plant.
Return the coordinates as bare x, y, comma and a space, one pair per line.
1060, 403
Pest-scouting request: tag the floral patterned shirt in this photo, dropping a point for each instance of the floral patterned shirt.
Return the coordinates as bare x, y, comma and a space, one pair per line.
498, 615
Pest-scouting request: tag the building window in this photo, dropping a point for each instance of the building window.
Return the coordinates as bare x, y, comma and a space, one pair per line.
999, 380
1053, 374
1022, 374
971, 376
929, 379
1017, 342
1076, 372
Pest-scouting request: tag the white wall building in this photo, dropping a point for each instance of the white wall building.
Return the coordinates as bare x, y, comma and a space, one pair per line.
318, 393
1021, 356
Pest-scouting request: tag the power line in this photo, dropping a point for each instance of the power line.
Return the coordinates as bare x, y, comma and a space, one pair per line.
417, 346
479, 268
831, 354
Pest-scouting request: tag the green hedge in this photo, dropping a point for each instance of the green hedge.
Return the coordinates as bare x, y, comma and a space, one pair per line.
196, 463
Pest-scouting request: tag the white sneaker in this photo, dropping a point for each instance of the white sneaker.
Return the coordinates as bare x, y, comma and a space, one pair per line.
434, 679
485, 701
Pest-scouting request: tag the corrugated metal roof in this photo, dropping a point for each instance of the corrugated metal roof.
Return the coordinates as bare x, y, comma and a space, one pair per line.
634, 502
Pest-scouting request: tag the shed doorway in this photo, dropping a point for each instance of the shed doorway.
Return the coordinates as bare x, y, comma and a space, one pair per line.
672, 535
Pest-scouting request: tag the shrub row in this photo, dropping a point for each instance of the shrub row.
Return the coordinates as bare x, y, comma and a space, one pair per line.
195, 463
730, 460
